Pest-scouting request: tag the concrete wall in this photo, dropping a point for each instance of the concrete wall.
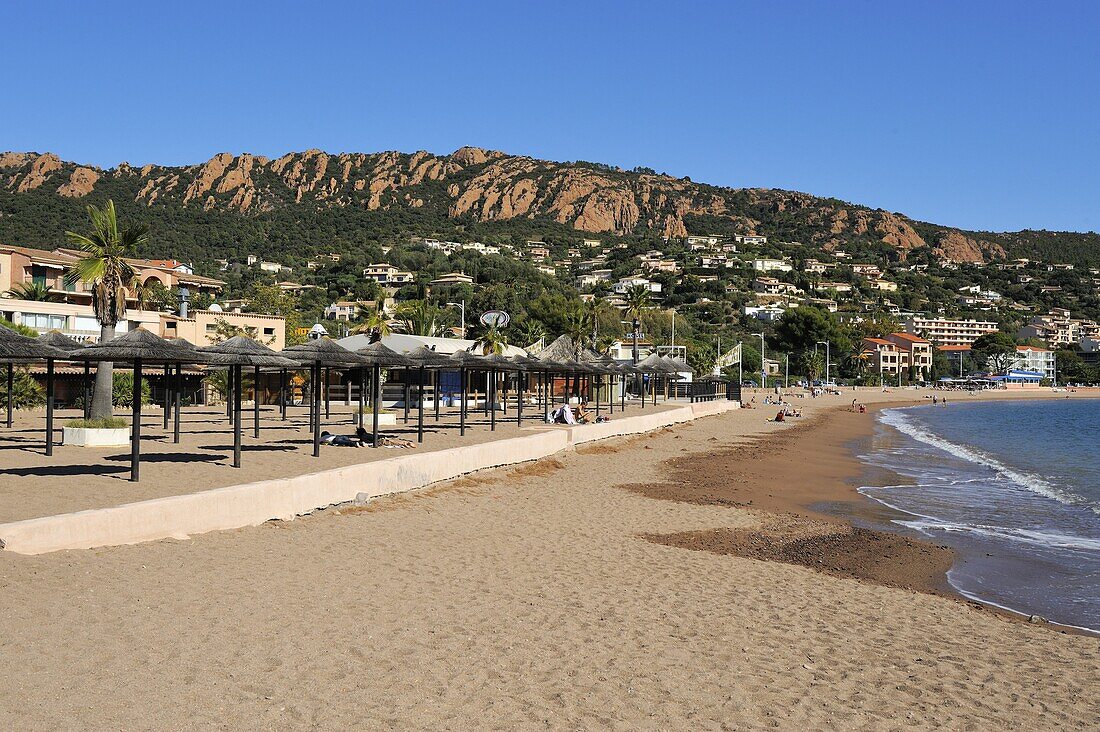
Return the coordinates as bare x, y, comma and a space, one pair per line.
284, 498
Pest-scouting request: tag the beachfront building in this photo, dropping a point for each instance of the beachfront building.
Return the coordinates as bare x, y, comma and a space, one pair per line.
949, 331
1035, 360
915, 353
75, 320
207, 327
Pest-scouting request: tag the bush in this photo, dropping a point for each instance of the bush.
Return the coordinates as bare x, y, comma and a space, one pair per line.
98, 423
26, 393
123, 390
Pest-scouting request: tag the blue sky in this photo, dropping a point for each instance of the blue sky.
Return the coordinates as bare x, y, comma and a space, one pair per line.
979, 115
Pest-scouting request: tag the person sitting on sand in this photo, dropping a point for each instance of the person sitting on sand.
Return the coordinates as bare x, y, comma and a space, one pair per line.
780, 417
583, 415
862, 408
383, 440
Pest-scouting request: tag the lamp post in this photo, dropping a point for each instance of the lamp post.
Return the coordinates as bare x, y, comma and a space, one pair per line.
461, 305
763, 363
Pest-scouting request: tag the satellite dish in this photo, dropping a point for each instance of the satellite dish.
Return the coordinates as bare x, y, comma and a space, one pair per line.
317, 332
495, 318
215, 308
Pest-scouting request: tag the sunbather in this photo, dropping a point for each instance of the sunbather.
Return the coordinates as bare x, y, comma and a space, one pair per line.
328, 438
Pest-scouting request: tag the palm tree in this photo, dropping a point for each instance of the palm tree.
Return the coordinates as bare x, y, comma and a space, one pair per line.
531, 331
376, 323
33, 291
813, 363
419, 317
105, 268
638, 299
491, 341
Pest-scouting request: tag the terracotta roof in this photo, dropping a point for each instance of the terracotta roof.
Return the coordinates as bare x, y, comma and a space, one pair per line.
878, 341
1032, 348
953, 348
910, 337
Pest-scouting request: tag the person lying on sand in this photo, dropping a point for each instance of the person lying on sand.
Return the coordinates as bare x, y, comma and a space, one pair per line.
327, 438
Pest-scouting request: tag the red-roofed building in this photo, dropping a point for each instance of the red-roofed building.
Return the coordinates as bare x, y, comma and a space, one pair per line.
897, 353
916, 351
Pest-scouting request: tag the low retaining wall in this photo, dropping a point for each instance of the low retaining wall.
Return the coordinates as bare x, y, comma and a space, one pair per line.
251, 504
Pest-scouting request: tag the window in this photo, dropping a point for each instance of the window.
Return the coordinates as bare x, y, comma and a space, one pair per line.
40, 321
211, 328
269, 331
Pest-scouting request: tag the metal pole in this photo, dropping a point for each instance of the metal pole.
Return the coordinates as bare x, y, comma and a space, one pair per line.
282, 392
362, 396
256, 405
462, 405
376, 398
167, 404
436, 379
328, 378
316, 398
420, 406
177, 402
135, 428
11, 376
490, 398
520, 376
236, 416
407, 395
49, 406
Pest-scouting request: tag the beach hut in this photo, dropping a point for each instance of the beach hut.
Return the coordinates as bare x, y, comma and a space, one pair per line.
17, 348
140, 348
236, 353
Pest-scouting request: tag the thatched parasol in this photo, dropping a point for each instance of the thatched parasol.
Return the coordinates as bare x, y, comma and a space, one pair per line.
376, 356
15, 347
60, 341
318, 354
238, 352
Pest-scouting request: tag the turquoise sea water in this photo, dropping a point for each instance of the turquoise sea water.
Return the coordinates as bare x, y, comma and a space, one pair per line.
1013, 487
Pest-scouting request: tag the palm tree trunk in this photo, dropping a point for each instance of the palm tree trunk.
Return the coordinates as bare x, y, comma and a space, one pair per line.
102, 396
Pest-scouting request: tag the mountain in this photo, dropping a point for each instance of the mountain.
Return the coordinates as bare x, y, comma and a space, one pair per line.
312, 201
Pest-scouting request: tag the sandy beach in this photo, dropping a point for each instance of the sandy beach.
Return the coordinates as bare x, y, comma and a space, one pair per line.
549, 595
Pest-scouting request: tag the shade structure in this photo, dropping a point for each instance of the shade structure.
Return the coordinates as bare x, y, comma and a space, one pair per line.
15, 347
424, 358
140, 347
316, 355
239, 352
377, 356
59, 340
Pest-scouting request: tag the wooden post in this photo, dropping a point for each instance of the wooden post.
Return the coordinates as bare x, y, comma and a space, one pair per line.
135, 428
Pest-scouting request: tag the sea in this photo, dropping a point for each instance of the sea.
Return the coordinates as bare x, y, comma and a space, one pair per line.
1012, 486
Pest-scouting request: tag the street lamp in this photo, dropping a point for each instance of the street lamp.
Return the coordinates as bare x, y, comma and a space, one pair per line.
828, 356
763, 364
461, 305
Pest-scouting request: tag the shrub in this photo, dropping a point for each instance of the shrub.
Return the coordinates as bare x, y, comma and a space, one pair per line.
123, 390
98, 423
26, 393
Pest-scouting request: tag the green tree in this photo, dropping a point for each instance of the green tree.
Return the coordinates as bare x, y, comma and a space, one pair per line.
813, 364
800, 328
995, 351
420, 317
375, 323
491, 341
26, 393
104, 266
638, 299
32, 291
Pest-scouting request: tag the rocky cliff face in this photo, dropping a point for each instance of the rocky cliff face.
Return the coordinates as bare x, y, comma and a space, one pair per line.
484, 185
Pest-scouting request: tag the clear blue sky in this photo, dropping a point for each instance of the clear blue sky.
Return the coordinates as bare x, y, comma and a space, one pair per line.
980, 115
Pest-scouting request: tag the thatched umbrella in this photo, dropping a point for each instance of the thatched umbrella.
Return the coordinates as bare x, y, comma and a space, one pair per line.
15, 347
425, 358
376, 356
497, 364
237, 352
530, 365
62, 342
318, 354
465, 361
140, 347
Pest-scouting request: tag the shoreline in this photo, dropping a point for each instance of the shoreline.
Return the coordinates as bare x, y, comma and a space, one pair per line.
803, 485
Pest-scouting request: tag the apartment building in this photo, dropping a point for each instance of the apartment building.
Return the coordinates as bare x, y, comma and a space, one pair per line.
914, 350
771, 265
1034, 359
1058, 328
949, 331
